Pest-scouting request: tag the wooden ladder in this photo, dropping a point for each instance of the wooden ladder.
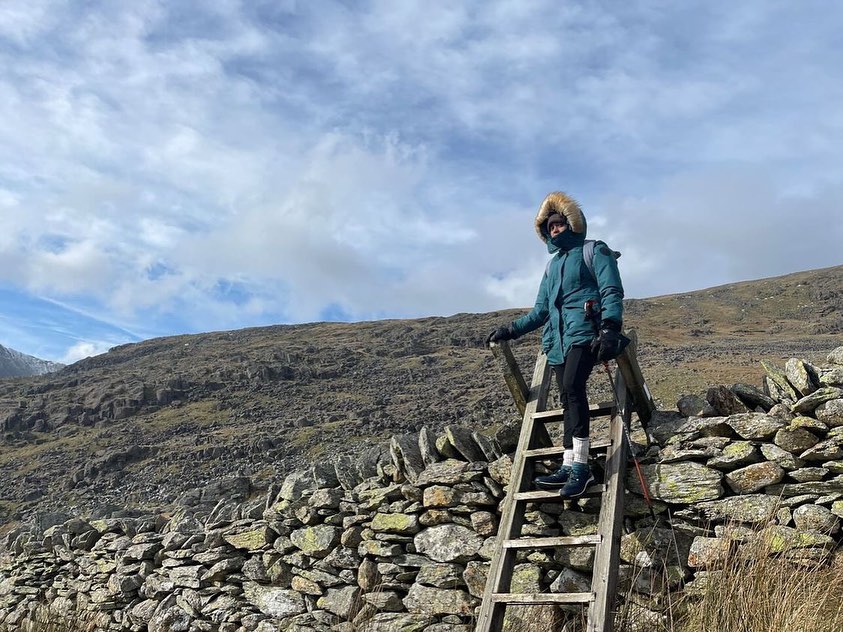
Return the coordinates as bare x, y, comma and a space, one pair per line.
535, 444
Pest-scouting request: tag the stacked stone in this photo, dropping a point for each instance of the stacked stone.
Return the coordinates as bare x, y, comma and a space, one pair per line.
406, 547
401, 539
738, 467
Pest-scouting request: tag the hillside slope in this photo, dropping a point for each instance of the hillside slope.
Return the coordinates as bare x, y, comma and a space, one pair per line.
146, 422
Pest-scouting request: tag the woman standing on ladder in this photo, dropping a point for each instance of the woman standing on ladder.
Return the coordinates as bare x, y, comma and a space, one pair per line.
577, 273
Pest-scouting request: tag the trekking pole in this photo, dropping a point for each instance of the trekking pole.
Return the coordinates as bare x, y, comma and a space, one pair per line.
594, 317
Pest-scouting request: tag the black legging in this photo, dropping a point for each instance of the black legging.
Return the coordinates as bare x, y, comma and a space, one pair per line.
571, 378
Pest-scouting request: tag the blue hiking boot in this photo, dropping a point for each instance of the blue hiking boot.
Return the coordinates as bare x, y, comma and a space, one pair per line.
578, 481
556, 480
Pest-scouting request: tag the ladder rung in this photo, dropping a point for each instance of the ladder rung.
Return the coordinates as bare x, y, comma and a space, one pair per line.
556, 450
542, 598
541, 495
546, 543
595, 410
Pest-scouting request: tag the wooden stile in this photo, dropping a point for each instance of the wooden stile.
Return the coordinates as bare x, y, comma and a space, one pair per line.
534, 443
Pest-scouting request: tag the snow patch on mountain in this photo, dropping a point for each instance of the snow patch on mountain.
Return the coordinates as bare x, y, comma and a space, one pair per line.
16, 364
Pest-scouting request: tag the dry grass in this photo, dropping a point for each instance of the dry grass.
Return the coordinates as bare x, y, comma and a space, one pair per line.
758, 591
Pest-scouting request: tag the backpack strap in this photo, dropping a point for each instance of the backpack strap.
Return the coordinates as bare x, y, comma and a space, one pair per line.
587, 257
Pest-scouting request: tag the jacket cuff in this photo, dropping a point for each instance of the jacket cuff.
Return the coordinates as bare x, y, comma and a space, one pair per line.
610, 324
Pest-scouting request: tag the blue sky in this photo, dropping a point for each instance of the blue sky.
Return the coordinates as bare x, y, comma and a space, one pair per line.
174, 166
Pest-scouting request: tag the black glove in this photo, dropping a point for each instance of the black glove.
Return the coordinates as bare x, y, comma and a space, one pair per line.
609, 342
501, 333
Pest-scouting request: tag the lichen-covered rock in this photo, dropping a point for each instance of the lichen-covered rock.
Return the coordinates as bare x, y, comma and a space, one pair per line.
295, 484
755, 477
272, 601
784, 458
316, 541
724, 402
384, 601
816, 518
570, 581
778, 378
735, 454
695, 427
578, 523
391, 622
343, 601
836, 356
830, 412
810, 402
447, 472
808, 474
676, 452
754, 426
501, 470
782, 411
251, 539
168, 616
448, 543
403, 524
694, 406
707, 552
441, 575
460, 437
827, 450
780, 539
487, 446
795, 440
678, 482
406, 455
820, 488
750, 508
832, 376
326, 498
475, 576
809, 423
438, 601
484, 522
441, 496
655, 546
753, 397
378, 548
801, 376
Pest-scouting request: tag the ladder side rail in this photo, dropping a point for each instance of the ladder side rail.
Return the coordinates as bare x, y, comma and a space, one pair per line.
634, 378
607, 559
500, 570
511, 374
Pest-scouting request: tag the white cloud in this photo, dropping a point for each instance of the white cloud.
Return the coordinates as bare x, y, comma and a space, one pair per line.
82, 350
197, 166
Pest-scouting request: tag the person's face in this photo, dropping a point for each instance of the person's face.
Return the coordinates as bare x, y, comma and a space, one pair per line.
557, 228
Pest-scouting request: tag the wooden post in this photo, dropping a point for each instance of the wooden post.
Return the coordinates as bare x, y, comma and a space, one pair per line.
512, 374
605, 580
628, 365
512, 519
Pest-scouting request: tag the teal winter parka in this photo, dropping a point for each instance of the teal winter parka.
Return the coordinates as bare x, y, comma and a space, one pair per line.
568, 284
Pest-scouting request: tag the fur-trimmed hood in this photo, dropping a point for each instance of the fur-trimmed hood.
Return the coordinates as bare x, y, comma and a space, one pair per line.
558, 202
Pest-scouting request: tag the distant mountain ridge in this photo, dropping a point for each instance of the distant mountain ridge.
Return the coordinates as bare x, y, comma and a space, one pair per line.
16, 364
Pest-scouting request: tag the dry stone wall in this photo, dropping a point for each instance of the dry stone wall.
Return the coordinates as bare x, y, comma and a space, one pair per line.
401, 540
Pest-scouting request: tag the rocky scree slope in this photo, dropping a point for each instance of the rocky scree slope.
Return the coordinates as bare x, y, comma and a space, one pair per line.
147, 423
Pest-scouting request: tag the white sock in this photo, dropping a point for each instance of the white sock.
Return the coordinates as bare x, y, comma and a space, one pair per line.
581, 450
568, 457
